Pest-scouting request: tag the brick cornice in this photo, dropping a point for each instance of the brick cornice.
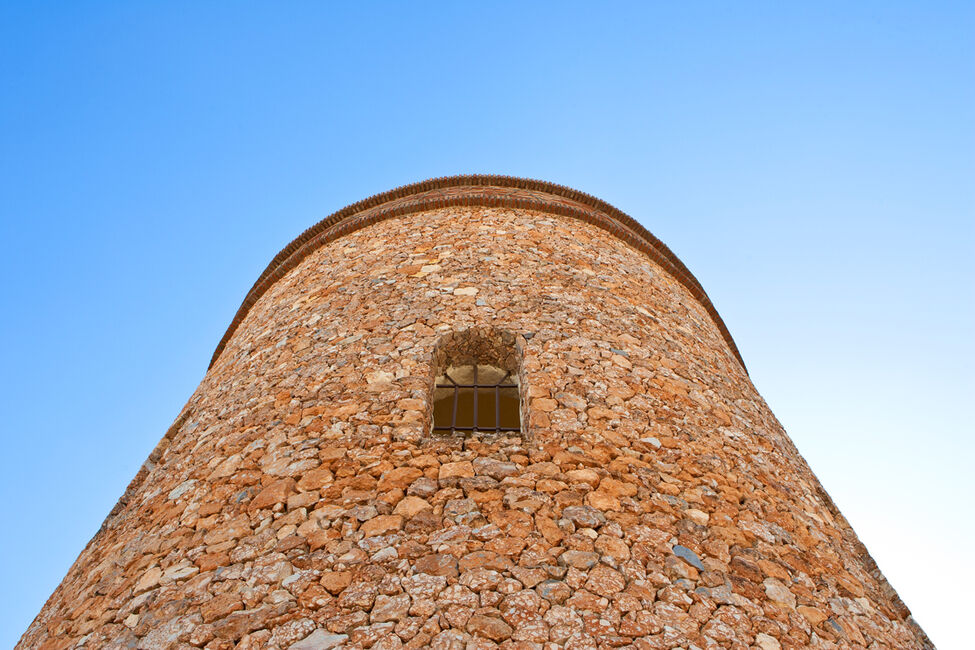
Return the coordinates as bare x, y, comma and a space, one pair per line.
475, 191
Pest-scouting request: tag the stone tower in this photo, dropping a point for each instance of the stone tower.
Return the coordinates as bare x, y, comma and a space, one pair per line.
311, 494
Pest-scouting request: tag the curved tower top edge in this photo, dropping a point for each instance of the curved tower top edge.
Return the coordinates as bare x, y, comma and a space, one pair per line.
477, 190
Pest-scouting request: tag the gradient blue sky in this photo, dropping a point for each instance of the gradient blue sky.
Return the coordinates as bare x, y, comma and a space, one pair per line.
811, 163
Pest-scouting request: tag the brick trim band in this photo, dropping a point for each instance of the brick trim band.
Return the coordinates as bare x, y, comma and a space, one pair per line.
475, 191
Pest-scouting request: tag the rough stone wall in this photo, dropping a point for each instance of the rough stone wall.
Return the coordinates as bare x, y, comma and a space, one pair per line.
299, 500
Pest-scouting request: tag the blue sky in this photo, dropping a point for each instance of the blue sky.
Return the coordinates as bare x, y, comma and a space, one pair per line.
811, 163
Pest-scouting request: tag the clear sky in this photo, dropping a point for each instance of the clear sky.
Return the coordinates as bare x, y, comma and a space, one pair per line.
812, 163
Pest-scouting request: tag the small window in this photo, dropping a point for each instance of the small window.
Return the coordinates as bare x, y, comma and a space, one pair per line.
476, 399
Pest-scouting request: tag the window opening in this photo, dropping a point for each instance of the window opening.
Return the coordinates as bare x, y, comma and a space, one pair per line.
476, 399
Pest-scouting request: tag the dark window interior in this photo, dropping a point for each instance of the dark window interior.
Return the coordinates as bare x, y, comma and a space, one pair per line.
476, 398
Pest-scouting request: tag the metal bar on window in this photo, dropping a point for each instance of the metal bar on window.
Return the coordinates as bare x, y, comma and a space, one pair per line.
503, 429
497, 402
476, 391
453, 416
497, 409
473, 386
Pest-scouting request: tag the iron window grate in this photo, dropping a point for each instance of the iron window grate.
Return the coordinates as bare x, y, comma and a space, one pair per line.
480, 417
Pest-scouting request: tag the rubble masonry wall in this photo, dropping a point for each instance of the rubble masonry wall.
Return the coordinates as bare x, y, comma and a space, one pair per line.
653, 501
